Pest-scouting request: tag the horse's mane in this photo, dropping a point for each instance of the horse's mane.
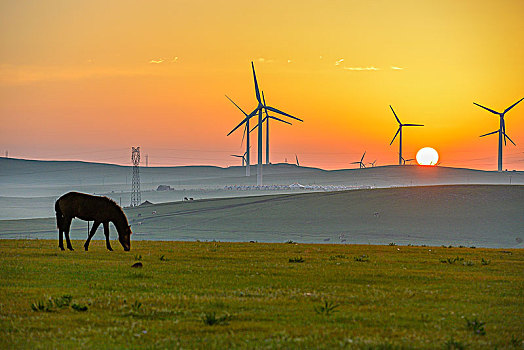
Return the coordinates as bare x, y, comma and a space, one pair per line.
115, 204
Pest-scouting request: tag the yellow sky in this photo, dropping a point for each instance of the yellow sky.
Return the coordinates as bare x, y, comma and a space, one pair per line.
89, 79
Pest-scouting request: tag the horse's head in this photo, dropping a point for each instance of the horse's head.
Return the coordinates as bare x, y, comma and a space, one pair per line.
125, 238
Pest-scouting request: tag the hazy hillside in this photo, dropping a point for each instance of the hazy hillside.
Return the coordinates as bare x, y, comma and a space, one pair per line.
29, 188
487, 216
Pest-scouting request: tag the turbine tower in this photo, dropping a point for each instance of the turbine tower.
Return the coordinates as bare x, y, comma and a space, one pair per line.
361, 163
399, 131
258, 110
501, 130
246, 120
266, 119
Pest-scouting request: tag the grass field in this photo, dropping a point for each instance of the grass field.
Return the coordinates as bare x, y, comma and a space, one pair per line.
254, 295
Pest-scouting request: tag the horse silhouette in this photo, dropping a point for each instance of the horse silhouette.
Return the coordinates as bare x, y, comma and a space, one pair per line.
100, 210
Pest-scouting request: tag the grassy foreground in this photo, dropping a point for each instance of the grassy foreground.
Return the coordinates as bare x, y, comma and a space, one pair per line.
253, 295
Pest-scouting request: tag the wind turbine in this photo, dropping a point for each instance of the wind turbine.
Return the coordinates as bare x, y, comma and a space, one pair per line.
240, 156
501, 130
246, 134
258, 110
399, 130
361, 163
296, 157
266, 119
407, 160
372, 163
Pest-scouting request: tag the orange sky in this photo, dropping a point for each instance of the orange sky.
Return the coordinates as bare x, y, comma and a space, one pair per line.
89, 79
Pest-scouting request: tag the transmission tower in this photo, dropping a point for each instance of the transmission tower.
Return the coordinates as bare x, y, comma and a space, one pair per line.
135, 194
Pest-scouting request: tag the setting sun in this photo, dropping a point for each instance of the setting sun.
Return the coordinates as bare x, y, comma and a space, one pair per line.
427, 156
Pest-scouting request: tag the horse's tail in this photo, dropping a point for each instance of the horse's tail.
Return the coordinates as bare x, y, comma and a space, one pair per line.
59, 215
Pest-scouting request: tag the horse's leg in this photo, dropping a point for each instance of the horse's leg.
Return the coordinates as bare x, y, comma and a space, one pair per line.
106, 232
91, 234
61, 238
67, 226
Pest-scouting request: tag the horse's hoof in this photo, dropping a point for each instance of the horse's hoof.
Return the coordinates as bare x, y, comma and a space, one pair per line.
110, 249
61, 248
85, 248
70, 248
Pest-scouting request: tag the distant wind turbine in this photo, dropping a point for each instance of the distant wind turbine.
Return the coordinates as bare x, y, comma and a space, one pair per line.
501, 130
372, 163
361, 163
399, 130
406, 160
246, 134
296, 157
258, 110
240, 156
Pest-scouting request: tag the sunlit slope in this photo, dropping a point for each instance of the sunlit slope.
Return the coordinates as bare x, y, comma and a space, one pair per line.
474, 215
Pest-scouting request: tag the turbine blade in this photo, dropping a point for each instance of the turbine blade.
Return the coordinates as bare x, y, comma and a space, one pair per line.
280, 112
509, 139
236, 105
250, 115
490, 133
243, 135
264, 100
395, 114
361, 159
513, 105
486, 108
398, 130
412, 125
280, 120
257, 92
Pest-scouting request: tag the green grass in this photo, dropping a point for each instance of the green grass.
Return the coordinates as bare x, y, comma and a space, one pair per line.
248, 295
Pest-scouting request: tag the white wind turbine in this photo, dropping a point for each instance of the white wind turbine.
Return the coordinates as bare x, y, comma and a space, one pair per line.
258, 110
399, 130
501, 130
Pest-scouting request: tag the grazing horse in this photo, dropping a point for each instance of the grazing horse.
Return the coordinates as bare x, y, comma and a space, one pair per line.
100, 210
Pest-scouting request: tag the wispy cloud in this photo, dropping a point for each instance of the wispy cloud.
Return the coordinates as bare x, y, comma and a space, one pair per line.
362, 68
265, 60
396, 68
157, 61
337, 63
175, 60
289, 61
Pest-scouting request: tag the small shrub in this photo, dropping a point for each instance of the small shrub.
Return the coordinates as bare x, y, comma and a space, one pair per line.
326, 309
211, 319
62, 301
290, 242
296, 260
79, 307
452, 344
515, 341
476, 326
392, 244
138, 257
136, 306
362, 258
41, 305
338, 256
451, 260
163, 258
485, 262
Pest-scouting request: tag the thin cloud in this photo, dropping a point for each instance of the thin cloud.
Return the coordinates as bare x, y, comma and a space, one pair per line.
362, 68
396, 68
156, 61
265, 60
337, 63
175, 60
